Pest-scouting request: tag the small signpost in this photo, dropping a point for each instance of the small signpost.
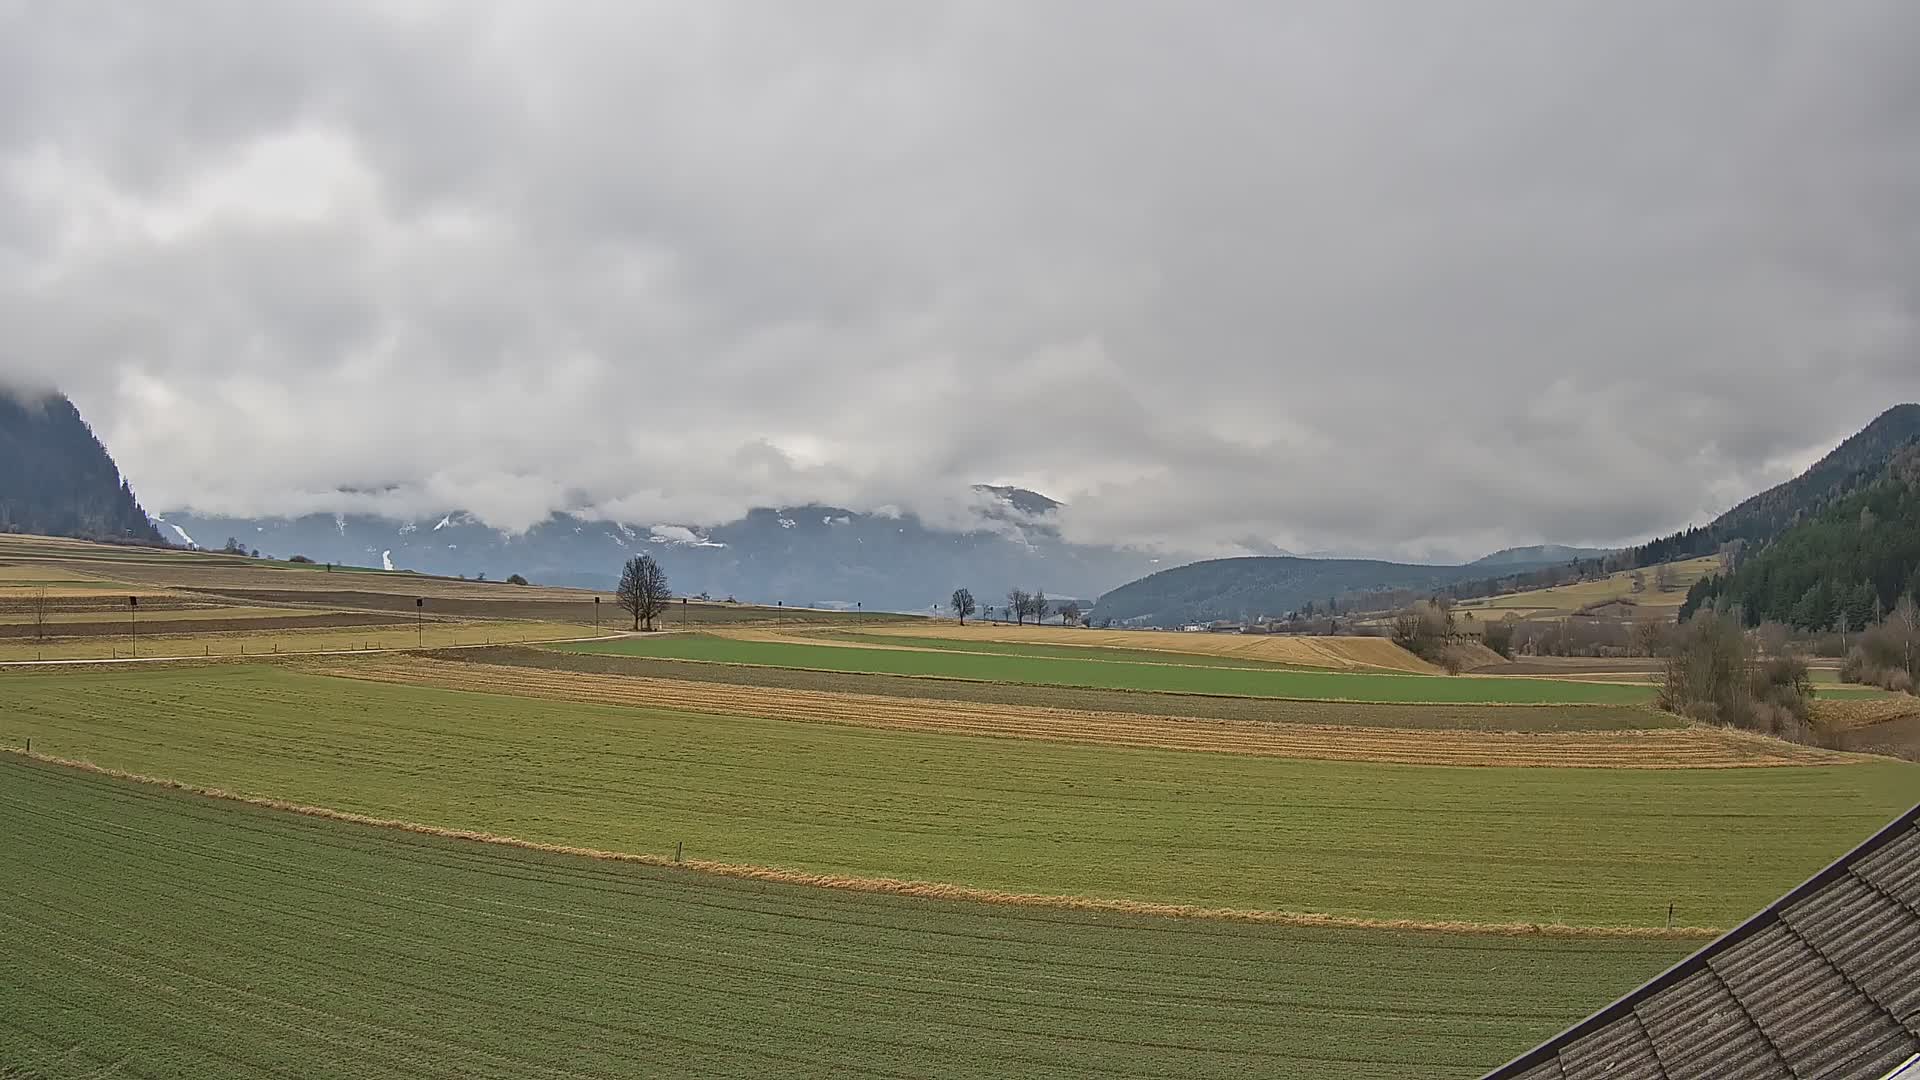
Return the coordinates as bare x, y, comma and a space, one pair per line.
596, 616
419, 620
133, 621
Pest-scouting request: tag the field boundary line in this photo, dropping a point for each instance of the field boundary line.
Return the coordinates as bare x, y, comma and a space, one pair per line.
928, 890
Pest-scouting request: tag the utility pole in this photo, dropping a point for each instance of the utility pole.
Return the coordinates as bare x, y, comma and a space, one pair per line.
596, 616
133, 621
419, 620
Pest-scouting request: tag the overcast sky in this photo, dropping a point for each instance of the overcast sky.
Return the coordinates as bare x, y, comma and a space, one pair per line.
1369, 277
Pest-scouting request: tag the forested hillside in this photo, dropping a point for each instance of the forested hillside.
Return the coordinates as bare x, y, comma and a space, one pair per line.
57, 479
1853, 560
1262, 586
1856, 462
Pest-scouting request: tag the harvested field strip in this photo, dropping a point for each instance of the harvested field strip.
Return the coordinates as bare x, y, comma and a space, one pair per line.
1482, 717
212, 939
1278, 683
1660, 749
1494, 845
189, 640
1339, 653
197, 623
1856, 713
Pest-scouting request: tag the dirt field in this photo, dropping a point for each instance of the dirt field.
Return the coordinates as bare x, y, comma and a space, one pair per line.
1673, 748
1342, 653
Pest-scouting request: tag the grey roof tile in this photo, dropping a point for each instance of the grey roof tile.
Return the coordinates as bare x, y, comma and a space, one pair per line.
1822, 985
1616, 1052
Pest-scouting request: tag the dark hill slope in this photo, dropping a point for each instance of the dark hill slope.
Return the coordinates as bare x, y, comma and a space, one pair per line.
1855, 559
56, 478
1263, 586
1853, 464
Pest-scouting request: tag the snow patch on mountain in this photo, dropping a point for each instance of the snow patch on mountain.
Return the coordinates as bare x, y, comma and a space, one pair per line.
680, 534
179, 530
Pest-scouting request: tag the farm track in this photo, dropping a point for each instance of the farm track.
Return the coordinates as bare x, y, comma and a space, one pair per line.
1654, 749
205, 938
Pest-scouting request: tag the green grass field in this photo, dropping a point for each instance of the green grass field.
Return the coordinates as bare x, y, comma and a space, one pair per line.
1582, 846
156, 934
1469, 717
1068, 652
1163, 676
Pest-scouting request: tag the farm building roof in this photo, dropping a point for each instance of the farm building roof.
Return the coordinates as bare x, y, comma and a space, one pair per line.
1825, 984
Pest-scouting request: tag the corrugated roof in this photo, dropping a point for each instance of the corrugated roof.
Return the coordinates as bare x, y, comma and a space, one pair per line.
1822, 985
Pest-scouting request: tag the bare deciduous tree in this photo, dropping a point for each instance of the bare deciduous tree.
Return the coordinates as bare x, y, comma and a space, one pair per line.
962, 604
1019, 603
1069, 613
643, 590
40, 613
1037, 606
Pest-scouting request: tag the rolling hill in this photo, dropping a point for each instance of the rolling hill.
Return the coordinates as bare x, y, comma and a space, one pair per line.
1250, 588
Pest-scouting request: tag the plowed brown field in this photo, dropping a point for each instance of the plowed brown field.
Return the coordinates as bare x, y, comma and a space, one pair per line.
1653, 749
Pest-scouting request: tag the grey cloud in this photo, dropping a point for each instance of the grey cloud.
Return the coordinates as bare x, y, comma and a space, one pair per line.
1381, 278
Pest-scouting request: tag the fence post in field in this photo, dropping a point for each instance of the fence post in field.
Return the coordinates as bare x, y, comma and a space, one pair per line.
1669, 915
679, 846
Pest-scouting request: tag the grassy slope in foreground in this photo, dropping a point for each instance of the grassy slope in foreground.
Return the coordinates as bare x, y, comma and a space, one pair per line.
1582, 846
187, 937
1168, 676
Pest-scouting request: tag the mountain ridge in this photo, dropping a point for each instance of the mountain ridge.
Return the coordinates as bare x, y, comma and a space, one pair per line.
813, 554
59, 478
